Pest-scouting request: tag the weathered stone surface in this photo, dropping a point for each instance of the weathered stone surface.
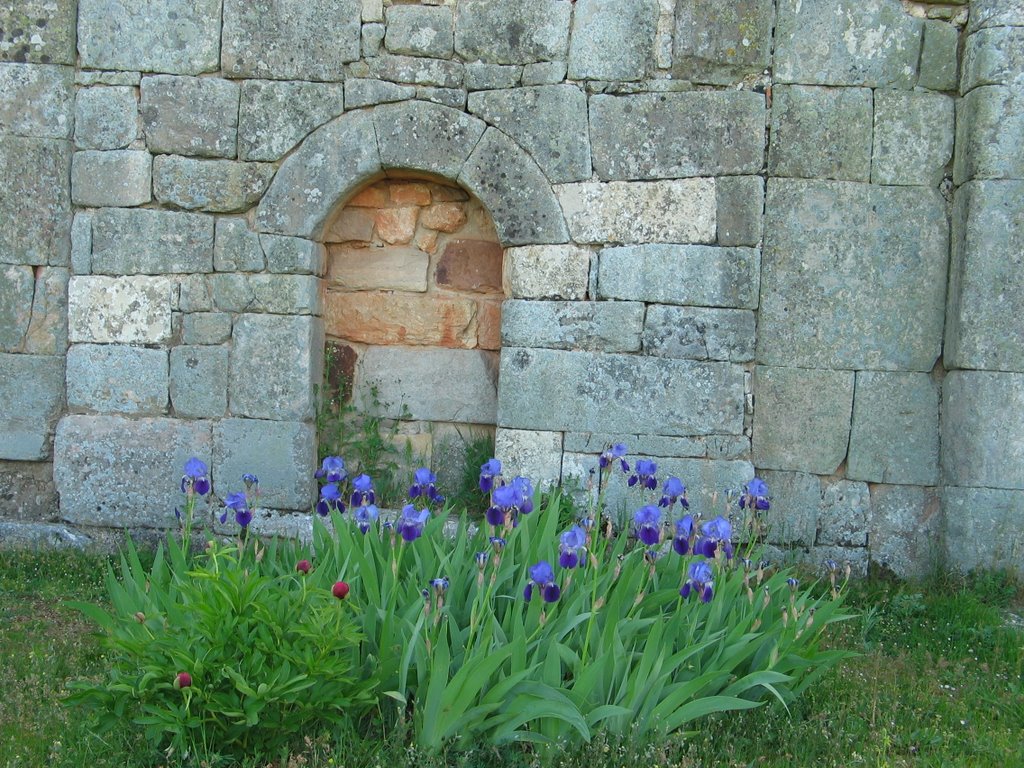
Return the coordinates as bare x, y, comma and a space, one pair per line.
844, 515
351, 224
913, 139
549, 122
544, 73
457, 385
199, 381
512, 31
414, 320
420, 30
488, 324
641, 445
221, 186
106, 117
939, 56
285, 294
48, 330
195, 116
17, 288
905, 530
821, 133
721, 42
40, 536
81, 243
39, 101
31, 399
612, 39
982, 424
993, 57
274, 116
106, 77
362, 92
602, 326
655, 136
119, 310
985, 313
177, 36
231, 292
995, 13
990, 134
853, 276
119, 178
680, 274
513, 189
38, 31
895, 436
470, 265
331, 164
983, 528
116, 378
35, 201
205, 328
146, 241
546, 272
697, 333
27, 492
275, 361
848, 42
802, 420
426, 137
740, 211
236, 248
681, 211
554, 390
193, 294
396, 226
367, 269
290, 39
371, 38
417, 70
293, 255
532, 454
485, 77
795, 503
454, 97
812, 559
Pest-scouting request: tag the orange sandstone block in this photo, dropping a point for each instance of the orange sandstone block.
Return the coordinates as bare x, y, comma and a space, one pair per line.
444, 217
393, 318
396, 225
399, 268
488, 325
371, 197
410, 193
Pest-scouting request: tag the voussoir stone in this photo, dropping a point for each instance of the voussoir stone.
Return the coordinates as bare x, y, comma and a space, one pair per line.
31, 400
665, 273
119, 310
420, 30
195, 116
113, 470
118, 178
699, 333
221, 186
281, 453
600, 326
274, 115
39, 100
179, 37
117, 378
547, 272
199, 381
426, 137
983, 527
290, 39
669, 135
853, 276
512, 31
612, 39
38, 31
721, 42
147, 241
106, 117
35, 201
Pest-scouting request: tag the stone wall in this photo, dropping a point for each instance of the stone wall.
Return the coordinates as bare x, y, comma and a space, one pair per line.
727, 231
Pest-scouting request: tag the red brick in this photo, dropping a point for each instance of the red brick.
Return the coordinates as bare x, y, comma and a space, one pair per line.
470, 265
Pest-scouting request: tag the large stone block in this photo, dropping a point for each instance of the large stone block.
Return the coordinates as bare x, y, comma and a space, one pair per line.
993, 57
853, 276
426, 136
44, 537
151, 242
982, 424
230, 292
364, 92
39, 100
121, 471
420, 30
290, 39
698, 333
17, 289
384, 269
985, 313
512, 31
373, 317
222, 186
38, 31
795, 504
196, 116
487, 77
274, 116
26, 491
119, 310
106, 117
679, 211
648, 445
740, 212
938, 67
275, 362
204, 328
119, 178
847, 42
612, 39
990, 134
598, 326
669, 135
180, 37
721, 42
469, 265
546, 272
821, 133
48, 330
199, 381
457, 385
236, 248
905, 531
913, 139
555, 390
293, 255
31, 399
549, 122
995, 13
281, 453
895, 437
81, 243
514, 190
532, 454
844, 515
430, 73
544, 73
35, 201
983, 528
802, 418
116, 378
680, 274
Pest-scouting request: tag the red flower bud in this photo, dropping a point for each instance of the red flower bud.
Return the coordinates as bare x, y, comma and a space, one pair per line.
340, 590
182, 680
302, 566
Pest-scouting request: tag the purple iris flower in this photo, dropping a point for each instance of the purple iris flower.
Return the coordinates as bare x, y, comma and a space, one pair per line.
410, 524
362, 491
571, 545
614, 453
330, 500
482, 558
424, 485
332, 470
196, 478
365, 516
489, 470
648, 524
542, 576
755, 495
674, 490
701, 582
440, 586
525, 489
252, 483
714, 534
240, 505
510, 500
644, 473
684, 534
498, 543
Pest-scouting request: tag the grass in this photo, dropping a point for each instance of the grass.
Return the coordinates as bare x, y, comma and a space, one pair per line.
938, 682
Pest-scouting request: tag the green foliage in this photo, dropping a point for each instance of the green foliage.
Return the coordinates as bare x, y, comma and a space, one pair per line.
467, 496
